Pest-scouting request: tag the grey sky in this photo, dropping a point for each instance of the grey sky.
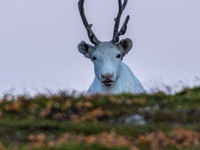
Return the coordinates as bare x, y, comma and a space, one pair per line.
38, 41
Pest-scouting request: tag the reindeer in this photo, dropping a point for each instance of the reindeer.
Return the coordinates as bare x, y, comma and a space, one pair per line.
112, 76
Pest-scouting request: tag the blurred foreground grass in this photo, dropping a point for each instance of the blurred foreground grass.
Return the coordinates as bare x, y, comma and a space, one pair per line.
65, 122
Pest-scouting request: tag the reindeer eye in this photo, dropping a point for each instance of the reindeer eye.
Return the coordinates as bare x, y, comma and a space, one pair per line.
94, 58
118, 56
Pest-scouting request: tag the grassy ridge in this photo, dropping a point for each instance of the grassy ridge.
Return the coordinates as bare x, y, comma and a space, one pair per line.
62, 121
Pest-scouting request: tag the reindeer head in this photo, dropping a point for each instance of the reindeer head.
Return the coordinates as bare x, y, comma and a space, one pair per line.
106, 56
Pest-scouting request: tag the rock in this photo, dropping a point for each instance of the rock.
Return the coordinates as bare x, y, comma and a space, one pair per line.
135, 120
147, 109
120, 120
156, 107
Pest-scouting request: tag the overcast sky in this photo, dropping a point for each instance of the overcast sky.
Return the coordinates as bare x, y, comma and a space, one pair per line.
39, 38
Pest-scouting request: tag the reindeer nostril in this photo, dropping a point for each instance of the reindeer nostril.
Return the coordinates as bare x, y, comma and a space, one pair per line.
107, 76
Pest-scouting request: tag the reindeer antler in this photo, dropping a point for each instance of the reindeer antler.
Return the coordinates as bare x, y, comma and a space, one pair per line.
88, 26
122, 31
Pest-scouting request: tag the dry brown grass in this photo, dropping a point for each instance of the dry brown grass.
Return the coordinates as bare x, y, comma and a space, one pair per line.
179, 137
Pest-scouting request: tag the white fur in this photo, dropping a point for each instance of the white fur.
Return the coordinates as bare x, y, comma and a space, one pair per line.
107, 63
126, 83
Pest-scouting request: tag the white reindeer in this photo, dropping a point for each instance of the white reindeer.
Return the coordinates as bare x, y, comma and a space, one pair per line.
112, 76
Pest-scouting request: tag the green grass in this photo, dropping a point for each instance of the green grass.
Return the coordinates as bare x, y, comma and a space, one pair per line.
22, 116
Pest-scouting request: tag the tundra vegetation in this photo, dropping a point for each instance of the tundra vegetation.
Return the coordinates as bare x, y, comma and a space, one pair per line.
64, 121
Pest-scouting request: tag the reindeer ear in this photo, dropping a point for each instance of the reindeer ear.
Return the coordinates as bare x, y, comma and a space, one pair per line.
86, 49
125, 46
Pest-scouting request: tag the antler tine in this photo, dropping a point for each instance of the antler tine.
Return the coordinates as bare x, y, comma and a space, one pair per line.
125, 3
122, 31
88, 26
